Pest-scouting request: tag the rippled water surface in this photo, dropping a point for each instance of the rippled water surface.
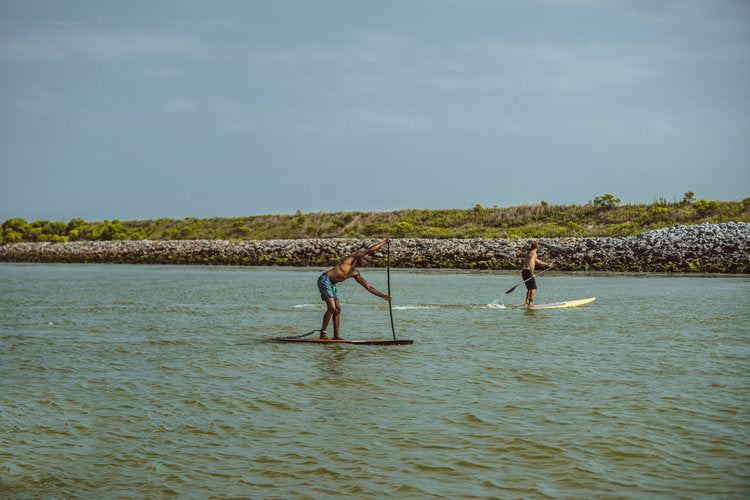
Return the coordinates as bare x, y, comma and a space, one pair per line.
148, 381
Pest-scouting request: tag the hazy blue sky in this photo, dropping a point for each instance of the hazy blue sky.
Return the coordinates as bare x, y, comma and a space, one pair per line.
166, 108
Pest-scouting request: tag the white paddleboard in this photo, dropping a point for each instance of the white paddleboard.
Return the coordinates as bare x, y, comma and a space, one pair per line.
554, 305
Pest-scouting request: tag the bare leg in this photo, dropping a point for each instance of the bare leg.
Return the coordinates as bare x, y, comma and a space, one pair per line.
531, 297
330, 311
336, 320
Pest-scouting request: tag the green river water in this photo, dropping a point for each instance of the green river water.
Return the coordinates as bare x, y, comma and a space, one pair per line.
121, 381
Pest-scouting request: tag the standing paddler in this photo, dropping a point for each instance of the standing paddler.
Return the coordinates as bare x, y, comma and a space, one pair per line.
346, 269
527, 273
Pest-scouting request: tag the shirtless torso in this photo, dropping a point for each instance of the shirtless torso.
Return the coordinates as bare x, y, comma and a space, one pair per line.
532, 260
344, 270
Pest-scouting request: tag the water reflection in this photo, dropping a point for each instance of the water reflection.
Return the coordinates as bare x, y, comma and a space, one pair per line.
331, 361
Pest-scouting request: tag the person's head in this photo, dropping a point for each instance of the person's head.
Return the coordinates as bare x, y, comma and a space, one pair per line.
534, 245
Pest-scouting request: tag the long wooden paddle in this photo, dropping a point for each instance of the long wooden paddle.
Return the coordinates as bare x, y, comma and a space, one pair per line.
390, 308
527, 279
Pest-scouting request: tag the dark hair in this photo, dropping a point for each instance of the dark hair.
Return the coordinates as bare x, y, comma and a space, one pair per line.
534, 245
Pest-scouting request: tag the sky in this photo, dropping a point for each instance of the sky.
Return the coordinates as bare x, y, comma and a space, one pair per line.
172, 109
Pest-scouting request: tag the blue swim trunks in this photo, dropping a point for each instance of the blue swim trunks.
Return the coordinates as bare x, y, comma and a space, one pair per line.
327, 289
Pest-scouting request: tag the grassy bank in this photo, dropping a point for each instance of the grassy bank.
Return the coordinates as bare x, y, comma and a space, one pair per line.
603, 216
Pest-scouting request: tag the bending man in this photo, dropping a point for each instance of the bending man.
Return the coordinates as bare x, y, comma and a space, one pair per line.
527, 273
346, 269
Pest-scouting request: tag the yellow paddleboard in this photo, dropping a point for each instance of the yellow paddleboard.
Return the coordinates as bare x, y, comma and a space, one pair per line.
554, 305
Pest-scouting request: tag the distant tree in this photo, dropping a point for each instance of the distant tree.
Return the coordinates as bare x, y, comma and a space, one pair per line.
112, 231
15, 231
606, 201
57, 228
689, 197
74, 224
35, 234
704, 207
300, 218
14, 224
81, 233
403, 229
11, 236
106, 233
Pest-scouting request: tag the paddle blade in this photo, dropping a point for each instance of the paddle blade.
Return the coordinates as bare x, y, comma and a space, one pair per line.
511, 290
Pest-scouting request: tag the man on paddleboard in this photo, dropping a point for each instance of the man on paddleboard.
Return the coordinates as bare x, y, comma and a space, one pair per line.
346, 269
527, 273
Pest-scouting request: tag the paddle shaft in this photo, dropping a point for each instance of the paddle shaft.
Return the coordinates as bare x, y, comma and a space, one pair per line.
527, 279
388, 273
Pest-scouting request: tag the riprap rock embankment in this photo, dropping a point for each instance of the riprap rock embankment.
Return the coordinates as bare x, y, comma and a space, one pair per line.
698, 248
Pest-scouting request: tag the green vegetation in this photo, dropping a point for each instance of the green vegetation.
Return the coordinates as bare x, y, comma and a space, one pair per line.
17, 230
606, 201
604, 216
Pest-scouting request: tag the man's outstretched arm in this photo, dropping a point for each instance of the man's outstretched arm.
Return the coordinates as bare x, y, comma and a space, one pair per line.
545, 264
370, 288
377, 246
372, 249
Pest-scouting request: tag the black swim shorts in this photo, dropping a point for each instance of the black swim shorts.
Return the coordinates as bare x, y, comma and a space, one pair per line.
531, 284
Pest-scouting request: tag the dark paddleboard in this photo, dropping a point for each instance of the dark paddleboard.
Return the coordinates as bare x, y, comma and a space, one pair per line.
341, 341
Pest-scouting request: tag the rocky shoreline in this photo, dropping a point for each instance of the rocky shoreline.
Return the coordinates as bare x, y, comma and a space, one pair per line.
723, 248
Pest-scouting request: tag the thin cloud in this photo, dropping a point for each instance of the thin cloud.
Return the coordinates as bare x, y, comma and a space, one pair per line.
179, 106
62, 42
381, 62
36, 100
